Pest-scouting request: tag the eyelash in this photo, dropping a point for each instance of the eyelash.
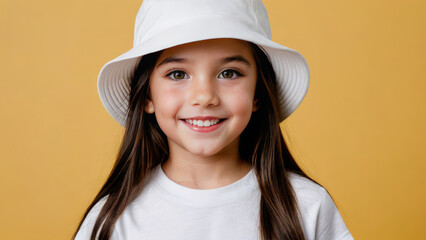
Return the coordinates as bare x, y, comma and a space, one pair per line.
176, 71
235, 74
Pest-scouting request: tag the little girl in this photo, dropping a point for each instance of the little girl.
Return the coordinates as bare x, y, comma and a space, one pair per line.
201, 96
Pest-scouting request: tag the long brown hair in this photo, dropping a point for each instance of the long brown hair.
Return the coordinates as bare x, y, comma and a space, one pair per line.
144, 146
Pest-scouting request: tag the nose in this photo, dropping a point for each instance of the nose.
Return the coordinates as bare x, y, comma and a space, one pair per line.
203, 92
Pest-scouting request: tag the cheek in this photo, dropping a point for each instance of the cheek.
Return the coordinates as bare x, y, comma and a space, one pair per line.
166, 103
241, 99
240, 104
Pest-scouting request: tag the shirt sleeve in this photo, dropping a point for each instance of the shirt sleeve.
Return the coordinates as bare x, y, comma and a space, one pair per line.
330, 225
84, 233
86, 228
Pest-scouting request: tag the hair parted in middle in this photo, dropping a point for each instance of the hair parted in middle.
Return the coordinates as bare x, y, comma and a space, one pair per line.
145, 146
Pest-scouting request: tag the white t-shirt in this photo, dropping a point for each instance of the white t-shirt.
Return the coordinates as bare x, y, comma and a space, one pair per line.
167, 210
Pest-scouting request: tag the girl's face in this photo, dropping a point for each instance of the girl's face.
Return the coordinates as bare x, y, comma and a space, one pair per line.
202, 94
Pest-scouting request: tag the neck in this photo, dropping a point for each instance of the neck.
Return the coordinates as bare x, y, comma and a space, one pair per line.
205, 172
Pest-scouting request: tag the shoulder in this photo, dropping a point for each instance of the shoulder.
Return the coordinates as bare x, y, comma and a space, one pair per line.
305, 189
320, 217
310, 196
86, 227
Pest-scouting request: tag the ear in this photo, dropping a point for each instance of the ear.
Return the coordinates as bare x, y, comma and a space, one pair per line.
255, 105
149, 106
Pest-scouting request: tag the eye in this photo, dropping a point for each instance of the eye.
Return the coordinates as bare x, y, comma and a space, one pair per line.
178, 75
230, 74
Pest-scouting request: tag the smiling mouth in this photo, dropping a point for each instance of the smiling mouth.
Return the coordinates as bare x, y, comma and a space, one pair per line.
203, 123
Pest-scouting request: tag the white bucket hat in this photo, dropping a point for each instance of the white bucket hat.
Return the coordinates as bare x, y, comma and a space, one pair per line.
162, 24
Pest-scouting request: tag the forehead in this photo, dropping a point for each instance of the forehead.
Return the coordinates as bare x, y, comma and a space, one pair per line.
212, 48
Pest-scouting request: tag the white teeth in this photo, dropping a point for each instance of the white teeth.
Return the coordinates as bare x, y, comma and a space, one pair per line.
206, 123
201, 123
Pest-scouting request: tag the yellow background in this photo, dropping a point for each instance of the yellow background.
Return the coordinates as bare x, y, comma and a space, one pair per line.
360, 131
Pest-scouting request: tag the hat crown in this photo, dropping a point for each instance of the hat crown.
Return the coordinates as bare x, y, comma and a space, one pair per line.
157, 16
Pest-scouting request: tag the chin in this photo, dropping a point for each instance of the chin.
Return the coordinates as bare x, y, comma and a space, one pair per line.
204, 152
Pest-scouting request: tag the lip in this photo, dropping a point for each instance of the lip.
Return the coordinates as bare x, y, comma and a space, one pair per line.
203, 118
204, 129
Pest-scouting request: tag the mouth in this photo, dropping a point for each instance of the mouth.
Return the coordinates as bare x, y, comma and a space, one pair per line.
204, 123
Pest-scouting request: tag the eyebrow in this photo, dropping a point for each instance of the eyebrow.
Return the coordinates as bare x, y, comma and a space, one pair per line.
235, 58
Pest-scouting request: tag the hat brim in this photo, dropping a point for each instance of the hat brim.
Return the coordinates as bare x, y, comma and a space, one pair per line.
290, 67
